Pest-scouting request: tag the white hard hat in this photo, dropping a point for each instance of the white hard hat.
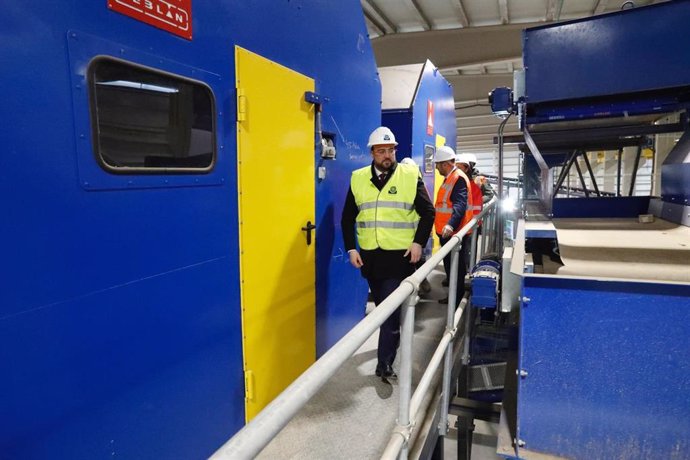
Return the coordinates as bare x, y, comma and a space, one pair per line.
471, 157
381, 136
462, 158
444, 153
408, 161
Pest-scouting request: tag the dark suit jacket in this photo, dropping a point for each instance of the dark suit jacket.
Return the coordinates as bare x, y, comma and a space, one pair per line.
381, 263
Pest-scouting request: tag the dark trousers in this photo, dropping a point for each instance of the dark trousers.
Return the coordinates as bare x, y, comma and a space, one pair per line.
389, 333
462, 268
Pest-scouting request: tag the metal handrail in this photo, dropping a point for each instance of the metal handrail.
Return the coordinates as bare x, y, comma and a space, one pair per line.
251, 439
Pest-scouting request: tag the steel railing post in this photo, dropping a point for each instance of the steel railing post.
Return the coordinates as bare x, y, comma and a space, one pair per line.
473, 247
405, 382
448, 365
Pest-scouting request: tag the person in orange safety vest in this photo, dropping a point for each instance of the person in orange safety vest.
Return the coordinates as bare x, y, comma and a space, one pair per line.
453, 210
464, 162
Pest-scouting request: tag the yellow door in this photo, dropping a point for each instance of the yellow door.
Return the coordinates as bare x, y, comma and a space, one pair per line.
275, 132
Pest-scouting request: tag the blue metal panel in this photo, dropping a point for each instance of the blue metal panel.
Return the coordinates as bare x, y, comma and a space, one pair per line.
608, 374
609, 54
432, 87
400, 122
676, 183
120, 322
620, 206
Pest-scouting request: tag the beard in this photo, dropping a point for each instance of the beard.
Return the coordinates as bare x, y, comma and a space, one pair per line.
385, 165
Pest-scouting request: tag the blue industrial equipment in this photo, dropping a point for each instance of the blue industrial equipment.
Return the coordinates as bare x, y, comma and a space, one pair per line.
501, 100
603, 370
120, 331
417, 103
635, 43
598, 348
485, 278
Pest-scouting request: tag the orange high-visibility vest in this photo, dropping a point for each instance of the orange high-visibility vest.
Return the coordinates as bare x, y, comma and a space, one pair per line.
477, 198
444, 207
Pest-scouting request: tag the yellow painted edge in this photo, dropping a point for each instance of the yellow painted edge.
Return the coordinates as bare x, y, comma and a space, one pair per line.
245, 371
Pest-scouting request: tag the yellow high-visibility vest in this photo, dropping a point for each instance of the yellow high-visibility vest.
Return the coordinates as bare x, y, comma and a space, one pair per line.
387, 218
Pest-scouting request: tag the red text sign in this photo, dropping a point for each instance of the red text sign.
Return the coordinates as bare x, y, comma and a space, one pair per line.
174, 16
429, 118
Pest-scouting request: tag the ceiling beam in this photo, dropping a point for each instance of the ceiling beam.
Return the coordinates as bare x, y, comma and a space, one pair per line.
493, 127
460, 68
372, 5
462, 14
599, 6
452, 47
477, 87
420, 11
475, 117
374, 23
487, 136
503, 9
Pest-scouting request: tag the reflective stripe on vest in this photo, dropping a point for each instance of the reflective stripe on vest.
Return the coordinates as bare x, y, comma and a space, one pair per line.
386, 218
386, 204
444, 207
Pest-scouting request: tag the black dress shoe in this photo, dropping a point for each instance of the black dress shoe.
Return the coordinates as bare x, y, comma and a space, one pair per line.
386, 372
443, 300
445, 283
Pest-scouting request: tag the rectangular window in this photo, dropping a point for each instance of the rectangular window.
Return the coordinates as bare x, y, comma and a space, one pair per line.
429, 159
149, 122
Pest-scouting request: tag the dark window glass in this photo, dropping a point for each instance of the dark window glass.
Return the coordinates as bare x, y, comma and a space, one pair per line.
150, 122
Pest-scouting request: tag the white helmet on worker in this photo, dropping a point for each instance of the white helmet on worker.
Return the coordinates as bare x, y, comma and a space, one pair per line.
381, 136
444, 153
408, 161
463, 158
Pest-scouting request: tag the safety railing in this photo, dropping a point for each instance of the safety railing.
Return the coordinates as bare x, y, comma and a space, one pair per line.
251, 439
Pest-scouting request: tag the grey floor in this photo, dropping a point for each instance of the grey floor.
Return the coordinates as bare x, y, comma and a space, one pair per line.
353, 415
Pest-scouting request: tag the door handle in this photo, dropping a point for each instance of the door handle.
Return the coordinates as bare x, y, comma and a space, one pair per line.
308, 229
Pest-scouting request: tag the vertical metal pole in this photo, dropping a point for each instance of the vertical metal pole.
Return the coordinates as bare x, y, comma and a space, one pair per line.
405, 382
651, 186
466, 335
618, 175
499, 215
450, 314
634, 171
485, 233
492, 230
473, 247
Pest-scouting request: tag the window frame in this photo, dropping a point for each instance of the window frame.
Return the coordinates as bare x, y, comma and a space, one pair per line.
146, 171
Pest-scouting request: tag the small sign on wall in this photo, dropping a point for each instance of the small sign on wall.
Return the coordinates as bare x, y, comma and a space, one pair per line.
174, 16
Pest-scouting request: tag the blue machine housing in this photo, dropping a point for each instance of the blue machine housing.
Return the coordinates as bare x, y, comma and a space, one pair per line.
559, 65
603, 367
606, 368
410, 123
485, 281
120, 325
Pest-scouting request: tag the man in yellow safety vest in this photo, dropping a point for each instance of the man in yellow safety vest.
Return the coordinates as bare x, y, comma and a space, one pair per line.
388, 211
